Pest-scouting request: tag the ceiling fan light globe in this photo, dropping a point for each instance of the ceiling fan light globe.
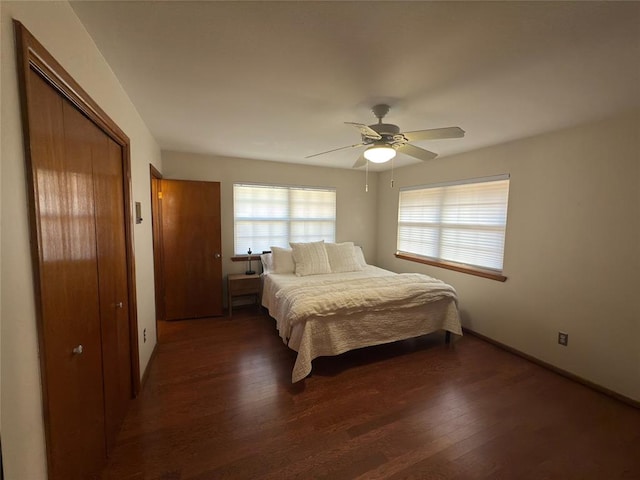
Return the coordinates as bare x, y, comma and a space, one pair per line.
379, 154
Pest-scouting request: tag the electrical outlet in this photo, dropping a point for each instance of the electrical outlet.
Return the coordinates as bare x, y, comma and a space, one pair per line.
144, 335
563, 338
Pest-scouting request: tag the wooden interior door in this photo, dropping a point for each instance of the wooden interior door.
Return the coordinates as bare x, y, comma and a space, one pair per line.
192, 249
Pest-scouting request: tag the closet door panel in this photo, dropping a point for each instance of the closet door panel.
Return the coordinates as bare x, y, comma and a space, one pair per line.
112, 274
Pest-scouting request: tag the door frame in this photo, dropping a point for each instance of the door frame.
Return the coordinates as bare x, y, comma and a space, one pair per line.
155, 178
32, 57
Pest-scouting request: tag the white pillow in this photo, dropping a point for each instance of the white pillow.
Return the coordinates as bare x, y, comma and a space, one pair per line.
282, 259
342, 257
360, 256
310, 258
267, 262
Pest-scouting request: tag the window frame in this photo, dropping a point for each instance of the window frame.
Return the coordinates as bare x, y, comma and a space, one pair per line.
289, 219
485, 272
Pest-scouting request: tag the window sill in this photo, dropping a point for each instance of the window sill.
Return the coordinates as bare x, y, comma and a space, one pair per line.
452, 266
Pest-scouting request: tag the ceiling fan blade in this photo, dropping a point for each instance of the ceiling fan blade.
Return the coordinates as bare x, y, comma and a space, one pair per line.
365, 130
417, 152
434, 133
361, 162
335, 150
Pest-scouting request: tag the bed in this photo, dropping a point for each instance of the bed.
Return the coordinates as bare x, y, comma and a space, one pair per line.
347, 304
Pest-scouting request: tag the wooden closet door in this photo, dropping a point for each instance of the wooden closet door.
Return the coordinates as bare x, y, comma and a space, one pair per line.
192, 249
78, 168
69, 293
108, 186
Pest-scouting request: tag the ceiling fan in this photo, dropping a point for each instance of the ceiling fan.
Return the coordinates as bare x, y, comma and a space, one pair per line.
384, 139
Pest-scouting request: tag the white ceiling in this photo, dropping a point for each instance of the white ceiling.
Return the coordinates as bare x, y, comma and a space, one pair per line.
276, 80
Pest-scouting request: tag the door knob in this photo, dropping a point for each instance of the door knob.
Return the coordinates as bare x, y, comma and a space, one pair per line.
119, 305
217, 255
78, 350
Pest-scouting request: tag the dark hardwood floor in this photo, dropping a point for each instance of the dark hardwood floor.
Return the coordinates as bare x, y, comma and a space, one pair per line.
219, 404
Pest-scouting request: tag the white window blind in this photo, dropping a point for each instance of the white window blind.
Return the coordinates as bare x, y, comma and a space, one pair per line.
266, 215
460, 222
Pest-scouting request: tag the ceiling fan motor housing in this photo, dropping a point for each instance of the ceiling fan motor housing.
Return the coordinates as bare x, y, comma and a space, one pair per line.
389, 132
385, 128
390, 135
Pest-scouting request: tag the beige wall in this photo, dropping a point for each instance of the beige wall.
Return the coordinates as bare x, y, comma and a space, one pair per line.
356, 209
56, 26
572, 254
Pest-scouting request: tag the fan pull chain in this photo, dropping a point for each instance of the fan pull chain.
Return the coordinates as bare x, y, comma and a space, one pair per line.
366, 178
392, 173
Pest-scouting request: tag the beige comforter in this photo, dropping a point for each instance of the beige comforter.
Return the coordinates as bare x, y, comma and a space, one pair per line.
297, 303
331, 314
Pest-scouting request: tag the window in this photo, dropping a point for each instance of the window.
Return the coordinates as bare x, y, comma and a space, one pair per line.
462, 222
266, 215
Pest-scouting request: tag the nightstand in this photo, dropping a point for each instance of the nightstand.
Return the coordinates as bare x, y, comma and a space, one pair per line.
240, 284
